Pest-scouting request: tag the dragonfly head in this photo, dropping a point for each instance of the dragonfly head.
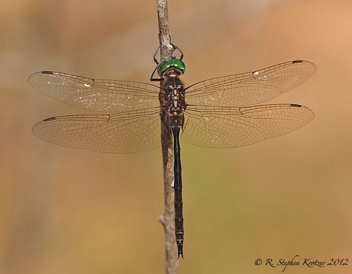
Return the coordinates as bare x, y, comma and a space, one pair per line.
171, 62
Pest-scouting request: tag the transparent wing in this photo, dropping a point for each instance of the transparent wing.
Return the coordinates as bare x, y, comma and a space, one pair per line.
126, 132
223, 127
95, 94
252, 87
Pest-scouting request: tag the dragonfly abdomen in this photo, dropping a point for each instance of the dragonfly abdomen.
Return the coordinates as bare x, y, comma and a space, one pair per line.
179, 231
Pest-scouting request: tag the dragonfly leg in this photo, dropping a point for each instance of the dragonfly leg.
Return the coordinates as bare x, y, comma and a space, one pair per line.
152, 76
155, 60
176, 47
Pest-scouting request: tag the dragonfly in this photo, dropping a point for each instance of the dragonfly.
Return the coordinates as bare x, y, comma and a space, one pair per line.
220, 112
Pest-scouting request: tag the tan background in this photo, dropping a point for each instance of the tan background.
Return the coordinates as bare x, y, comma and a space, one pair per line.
69, 211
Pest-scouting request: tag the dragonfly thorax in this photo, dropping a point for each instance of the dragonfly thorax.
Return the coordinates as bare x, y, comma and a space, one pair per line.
174, 96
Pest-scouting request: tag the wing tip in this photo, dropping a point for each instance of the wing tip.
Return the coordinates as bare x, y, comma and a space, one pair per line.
32, 78
314, 67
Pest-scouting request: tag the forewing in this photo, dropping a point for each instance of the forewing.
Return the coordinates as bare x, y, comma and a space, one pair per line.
225, 127
252, 87
95, 94
126, 132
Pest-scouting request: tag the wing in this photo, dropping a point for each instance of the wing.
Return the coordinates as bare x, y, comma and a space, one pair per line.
252, 87
224, 127
126, 132
95, 94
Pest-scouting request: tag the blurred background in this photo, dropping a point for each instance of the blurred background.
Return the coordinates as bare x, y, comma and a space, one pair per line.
69, 211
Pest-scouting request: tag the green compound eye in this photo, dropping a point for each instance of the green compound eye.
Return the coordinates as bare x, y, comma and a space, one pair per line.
166, 64
179, 64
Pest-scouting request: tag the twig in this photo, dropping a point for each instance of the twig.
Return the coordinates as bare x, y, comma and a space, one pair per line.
167, 219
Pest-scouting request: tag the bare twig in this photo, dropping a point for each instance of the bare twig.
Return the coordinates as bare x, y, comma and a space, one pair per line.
167, 219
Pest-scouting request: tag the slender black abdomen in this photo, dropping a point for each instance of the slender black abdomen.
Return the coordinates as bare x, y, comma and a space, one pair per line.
178, 192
